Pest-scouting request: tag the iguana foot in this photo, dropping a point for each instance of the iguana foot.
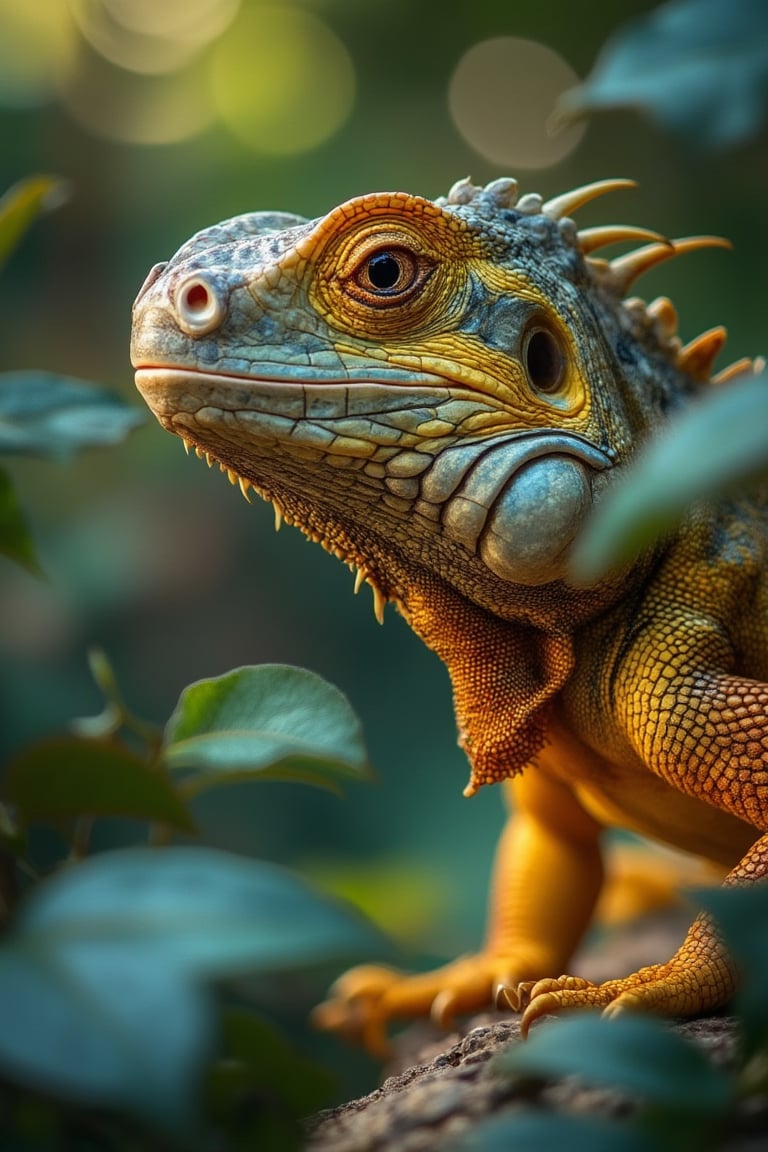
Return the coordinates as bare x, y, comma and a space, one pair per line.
677, 988
364, 1000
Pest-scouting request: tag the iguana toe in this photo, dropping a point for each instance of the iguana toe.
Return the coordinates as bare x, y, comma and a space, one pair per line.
365, 1000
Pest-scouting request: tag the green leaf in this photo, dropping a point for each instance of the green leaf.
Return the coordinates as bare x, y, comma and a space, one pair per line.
699, 66
528, 1131
270, 722
742, 917
15, 541
68, 777
101, 992
716, 446
22, 203
634, 1054
49, 415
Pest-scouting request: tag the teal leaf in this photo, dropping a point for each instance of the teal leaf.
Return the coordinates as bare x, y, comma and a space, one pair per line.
102, 993
203, 911
742, 917
270, 722
633, 1054
70, 777
87, 1024
15, 540
49, 415
22, 203
528, 1131
718, 445
699, 66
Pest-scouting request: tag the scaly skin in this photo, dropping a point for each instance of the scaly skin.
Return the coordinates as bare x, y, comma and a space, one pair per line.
438, 393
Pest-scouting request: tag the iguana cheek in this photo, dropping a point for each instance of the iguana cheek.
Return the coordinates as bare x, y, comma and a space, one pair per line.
535, 519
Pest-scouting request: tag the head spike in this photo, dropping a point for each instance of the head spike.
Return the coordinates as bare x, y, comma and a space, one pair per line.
738, 370
571, 201
697, 357
590, 239
624, 270
664, 316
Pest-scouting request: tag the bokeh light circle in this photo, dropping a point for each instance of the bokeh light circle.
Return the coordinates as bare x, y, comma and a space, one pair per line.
37, 42
502, 96
282, 80
196, 21
151, 37
129, 108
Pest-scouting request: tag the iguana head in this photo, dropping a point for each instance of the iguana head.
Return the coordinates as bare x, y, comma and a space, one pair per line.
442, 387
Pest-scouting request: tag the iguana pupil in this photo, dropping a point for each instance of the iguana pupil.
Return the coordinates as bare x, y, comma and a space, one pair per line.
384, 271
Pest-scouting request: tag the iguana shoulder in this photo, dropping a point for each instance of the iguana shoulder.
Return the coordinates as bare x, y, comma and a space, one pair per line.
439, 392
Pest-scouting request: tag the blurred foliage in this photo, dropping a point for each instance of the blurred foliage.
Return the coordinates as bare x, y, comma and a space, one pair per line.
42, 414
149, 557
21, 204
15, 541
98, 954
114, 955
718, 445
700, 67
106, 949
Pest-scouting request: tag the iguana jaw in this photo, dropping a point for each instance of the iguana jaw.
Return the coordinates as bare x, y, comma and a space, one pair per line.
428, 565
495, 508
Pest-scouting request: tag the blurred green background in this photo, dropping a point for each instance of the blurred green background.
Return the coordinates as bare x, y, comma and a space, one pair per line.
165, 117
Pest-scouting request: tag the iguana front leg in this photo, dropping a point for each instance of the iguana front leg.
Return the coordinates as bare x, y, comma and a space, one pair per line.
706, 734
547, 876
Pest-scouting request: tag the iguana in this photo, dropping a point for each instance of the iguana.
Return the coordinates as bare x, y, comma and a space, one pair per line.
438, 392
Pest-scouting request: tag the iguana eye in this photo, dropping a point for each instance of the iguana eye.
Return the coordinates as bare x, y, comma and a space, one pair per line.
388, 272
543, 359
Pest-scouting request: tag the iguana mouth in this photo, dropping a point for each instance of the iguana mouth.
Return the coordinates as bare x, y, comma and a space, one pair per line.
172, 392
513, 497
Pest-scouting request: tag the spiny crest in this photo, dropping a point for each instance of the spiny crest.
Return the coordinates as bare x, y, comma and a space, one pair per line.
617, 276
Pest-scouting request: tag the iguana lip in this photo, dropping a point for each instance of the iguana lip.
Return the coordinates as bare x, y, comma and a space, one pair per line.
154, 377
156, 383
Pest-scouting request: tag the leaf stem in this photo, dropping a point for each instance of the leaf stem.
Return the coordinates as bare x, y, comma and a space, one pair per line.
81, 838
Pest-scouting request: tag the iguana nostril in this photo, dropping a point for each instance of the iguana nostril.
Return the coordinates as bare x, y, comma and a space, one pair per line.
198, 306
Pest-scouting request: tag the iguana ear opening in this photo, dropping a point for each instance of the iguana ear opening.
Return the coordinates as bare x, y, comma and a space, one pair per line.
543, 358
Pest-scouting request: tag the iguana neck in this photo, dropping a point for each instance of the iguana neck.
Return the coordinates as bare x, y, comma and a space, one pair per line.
503, 676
